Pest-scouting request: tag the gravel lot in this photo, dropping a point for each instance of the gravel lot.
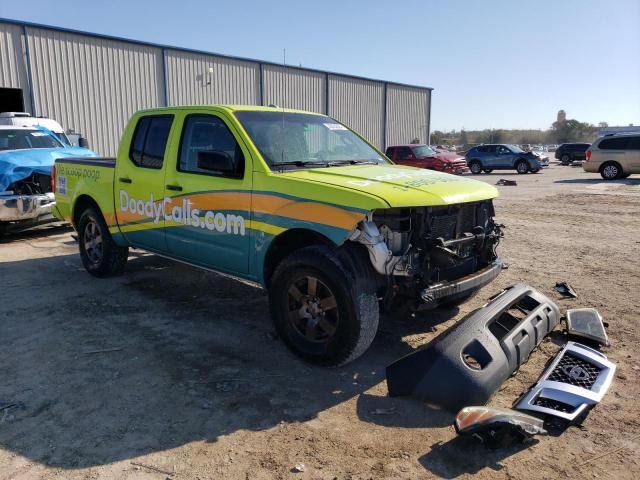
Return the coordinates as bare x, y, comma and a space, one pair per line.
172, 372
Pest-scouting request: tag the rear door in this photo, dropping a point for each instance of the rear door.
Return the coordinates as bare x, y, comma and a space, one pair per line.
209, 211
614, 149
139, 183
632, 155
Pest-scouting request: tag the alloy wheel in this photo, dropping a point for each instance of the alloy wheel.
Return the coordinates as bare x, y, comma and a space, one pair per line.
313, 309
92, 240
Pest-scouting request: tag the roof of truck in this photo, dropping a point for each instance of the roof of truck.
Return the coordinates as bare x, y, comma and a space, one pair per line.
232, 108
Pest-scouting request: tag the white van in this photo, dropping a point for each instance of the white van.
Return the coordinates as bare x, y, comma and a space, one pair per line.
24, 119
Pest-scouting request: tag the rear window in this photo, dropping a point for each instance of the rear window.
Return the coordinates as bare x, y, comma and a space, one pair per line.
150, 141
619, 143
389, 152
22, 139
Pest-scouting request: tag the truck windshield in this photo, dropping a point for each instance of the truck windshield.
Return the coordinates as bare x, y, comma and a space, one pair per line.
305, 140
423, 151
25, 139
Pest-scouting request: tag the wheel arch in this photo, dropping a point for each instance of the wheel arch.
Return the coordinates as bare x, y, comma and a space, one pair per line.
287, 242
80, 205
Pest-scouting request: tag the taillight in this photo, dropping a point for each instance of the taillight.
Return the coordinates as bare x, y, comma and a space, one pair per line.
588, 154
53, 178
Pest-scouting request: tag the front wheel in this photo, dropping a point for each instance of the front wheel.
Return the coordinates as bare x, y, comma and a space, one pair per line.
100, 255
565, 159
322, 312
522, 166
476, 167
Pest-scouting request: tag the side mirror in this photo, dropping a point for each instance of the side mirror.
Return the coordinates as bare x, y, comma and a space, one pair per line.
216, 161
83, 142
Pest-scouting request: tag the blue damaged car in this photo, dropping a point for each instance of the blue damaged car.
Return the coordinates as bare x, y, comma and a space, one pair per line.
27, 155
486, 158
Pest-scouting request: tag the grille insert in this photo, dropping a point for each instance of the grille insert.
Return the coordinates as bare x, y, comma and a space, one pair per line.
554, 405
575, 371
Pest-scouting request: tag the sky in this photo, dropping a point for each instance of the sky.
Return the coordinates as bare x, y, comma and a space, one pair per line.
492, 63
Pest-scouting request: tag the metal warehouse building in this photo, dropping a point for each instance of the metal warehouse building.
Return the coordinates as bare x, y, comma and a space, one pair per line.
93, 83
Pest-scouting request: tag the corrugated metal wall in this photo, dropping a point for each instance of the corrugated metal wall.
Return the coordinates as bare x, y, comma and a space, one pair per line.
360, 105
13, 70
407, 114
93, 85
293, 88
205, 79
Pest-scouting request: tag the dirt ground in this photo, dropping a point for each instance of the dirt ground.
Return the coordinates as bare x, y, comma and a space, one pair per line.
172, 372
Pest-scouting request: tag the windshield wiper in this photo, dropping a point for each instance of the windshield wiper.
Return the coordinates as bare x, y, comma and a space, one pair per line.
352, 162
300, 163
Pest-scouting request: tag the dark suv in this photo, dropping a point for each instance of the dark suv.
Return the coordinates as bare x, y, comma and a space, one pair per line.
570, 152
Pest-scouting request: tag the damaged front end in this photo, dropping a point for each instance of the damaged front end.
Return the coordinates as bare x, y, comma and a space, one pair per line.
432, 255
27, 202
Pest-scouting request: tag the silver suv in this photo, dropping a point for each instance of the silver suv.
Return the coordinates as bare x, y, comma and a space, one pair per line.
614, 156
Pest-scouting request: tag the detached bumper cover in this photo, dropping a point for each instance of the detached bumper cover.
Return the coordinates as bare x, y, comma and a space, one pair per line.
478, 279
577, 379
466, 364
16, 208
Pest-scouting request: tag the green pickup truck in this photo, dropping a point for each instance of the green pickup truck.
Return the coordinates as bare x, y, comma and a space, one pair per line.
293, 201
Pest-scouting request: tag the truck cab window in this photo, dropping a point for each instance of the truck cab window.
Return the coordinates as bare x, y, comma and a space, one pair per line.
150, 141
206, 133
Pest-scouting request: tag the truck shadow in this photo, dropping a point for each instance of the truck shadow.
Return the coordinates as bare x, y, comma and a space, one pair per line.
41, 231
97, 371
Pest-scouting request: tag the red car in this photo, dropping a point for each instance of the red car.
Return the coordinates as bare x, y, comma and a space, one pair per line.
423, 156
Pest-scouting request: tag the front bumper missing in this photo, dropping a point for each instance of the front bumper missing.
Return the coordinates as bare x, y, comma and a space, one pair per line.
18, 208
431, 295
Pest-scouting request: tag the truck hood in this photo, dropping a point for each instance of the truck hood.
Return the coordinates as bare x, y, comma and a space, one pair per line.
401, 186
17, 165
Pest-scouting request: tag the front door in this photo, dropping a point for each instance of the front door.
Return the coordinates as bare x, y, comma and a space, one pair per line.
207, 218
139, 184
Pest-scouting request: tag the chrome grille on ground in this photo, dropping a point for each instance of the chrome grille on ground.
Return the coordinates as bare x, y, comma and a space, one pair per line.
575, 371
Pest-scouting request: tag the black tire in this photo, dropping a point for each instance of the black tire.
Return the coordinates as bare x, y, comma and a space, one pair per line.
565, 159
611, 171
487, 170
522, 166
335, 333
100, 255
460, 298
475, 166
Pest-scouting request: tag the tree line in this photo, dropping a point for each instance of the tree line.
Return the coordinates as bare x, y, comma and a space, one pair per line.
570, 130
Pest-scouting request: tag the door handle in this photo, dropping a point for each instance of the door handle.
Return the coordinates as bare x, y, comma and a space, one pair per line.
175, 188
125, 180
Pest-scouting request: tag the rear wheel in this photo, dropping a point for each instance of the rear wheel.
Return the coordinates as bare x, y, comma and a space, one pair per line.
324, 313
100, 255
522, 166
565, 159
475, 166
611, 171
